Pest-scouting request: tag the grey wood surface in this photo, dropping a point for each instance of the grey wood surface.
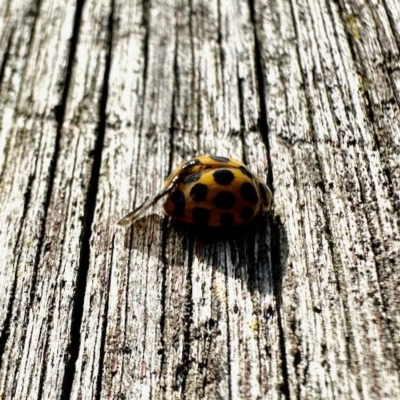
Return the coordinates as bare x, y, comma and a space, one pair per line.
100, 101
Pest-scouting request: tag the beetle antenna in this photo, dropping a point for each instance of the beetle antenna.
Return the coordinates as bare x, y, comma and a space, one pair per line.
149, 202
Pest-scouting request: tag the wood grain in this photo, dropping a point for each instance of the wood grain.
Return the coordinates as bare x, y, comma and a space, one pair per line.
100, 101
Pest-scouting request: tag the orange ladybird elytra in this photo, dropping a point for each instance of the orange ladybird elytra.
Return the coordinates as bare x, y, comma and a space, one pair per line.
210, 191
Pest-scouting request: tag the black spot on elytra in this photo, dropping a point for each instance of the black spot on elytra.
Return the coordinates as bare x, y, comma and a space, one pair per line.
224, 200
223, 176
201, 216
226, 219
178, 198
219, 158
192, 178
248, 193
263, 192
199, 192
246, 212
246, 172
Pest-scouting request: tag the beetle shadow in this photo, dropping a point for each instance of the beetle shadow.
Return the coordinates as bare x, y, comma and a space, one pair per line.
256, 255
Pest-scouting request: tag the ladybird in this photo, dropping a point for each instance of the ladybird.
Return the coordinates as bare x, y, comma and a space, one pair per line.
210, 191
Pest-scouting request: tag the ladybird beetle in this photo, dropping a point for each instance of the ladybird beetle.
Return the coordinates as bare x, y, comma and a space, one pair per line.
210, 191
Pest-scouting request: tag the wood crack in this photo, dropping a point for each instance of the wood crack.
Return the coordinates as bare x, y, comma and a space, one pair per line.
90, 204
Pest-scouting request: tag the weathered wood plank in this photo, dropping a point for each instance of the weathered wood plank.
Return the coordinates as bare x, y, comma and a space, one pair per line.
51, 137
339, 338
99, 101
34, 62
135, 158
